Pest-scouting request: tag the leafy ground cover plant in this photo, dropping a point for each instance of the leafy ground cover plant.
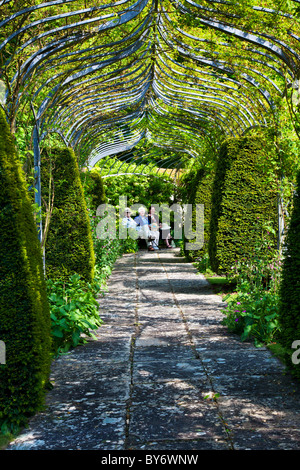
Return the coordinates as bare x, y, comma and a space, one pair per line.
109, 249
74, 312
252, 310
252, 315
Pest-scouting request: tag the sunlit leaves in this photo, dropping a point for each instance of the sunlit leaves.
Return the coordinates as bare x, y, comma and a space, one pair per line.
174, 71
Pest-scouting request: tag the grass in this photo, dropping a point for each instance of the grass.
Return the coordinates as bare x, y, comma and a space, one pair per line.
278, 351
220, 285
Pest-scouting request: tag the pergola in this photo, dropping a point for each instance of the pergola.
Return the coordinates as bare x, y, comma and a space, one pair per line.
153, 77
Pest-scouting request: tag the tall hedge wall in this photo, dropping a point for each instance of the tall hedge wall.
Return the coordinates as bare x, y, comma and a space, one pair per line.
24, 309
69, 245
201, 193
241, 202
289, 313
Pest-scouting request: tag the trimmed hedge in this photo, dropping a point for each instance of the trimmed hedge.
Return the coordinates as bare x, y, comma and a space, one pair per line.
24, 308
241, 203
188, 184
94, 188
289, 311
69, 246
201, 193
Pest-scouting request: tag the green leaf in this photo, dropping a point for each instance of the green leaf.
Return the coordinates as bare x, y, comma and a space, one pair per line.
57, 332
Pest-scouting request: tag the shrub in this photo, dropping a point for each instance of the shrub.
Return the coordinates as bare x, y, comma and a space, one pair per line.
69, 245
253, 310
74, 312
109, 249
201, 194
253, 315
24, 309
289, 312
188, 183
106, 251
142, 189
94, 188
241, 203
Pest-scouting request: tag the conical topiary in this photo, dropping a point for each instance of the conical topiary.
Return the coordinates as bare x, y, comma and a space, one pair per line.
69, 246
24, 309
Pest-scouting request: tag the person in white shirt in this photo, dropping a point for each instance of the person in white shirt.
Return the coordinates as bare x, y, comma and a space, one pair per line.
143, 227
127, 220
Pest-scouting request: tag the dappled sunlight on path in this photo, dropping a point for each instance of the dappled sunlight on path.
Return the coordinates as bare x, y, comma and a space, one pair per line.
164, 374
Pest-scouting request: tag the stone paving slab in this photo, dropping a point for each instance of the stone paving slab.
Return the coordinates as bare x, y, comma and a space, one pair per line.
172, 410
164, 374
148, 370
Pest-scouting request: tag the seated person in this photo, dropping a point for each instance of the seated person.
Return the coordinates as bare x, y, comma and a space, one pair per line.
141, 220
143, 227
165, 230
127, 220
153, 222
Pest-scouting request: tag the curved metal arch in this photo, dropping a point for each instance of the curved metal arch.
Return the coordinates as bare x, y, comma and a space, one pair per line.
241, 96
246, 36
93, 135
124, 18
219, 66
239, 84
63, 98
123, 99
213, 101
51, 51
218, 63
78, 75
219, 97
138, 165
218, 119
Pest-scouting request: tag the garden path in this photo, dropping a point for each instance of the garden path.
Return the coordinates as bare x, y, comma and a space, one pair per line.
164, 374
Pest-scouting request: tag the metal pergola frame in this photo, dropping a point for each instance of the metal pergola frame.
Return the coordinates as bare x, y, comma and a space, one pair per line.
102, 75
